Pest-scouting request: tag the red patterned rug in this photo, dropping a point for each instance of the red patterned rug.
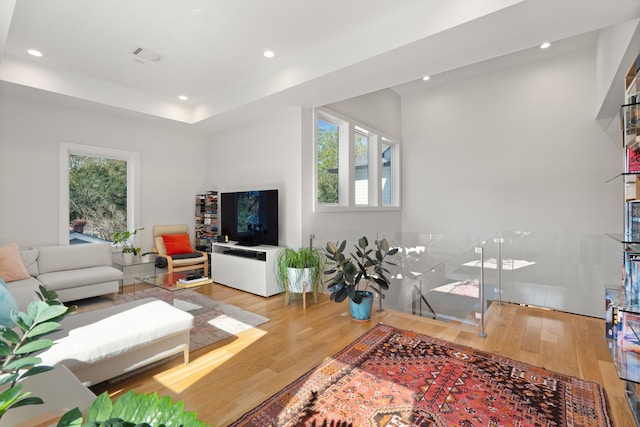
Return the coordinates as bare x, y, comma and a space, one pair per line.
392, 377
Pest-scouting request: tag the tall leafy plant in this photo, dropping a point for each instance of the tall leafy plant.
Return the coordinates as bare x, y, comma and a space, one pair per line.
18, 360
359, 271
18, 347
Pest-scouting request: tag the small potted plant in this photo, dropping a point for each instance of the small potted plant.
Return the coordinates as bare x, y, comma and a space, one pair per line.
300, 271
357, 275
126, 240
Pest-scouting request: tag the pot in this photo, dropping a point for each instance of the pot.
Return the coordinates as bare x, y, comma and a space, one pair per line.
297, 277
127, 258
362, 312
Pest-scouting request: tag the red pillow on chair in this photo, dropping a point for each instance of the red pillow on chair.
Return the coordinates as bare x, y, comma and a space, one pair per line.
177, 243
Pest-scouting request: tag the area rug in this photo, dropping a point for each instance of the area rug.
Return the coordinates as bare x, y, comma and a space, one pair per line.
213, 320
392, 377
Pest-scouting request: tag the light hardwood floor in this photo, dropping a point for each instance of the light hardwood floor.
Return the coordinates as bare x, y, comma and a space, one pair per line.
228, 378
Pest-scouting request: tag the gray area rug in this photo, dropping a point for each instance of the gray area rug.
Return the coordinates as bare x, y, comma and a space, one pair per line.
213, 320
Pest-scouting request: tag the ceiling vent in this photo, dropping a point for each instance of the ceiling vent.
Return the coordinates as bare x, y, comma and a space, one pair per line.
145, 55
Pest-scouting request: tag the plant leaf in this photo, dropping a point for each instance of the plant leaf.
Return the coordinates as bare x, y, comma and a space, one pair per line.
10, 395
9, 335
27, 401
100, 409
34, 346
5, 349
8, 378
43, 329
51, 312
36, 370
72, 418
23, 363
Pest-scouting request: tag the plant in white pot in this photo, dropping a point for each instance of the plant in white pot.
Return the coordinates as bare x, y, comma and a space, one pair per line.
299, 271
126, 239
356, 276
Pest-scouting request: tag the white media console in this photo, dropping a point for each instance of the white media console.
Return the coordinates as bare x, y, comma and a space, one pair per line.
247, 268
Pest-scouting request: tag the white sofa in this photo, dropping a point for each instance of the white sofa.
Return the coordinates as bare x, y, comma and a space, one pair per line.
73, 272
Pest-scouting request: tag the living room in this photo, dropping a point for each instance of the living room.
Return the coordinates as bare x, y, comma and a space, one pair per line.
524, 145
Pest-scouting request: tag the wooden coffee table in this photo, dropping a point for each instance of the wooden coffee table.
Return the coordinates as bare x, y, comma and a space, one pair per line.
171, 281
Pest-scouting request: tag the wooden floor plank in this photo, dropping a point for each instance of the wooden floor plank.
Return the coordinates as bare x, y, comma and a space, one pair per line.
230, 377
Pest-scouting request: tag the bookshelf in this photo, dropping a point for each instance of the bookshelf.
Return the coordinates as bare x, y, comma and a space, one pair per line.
207, 220
623, 302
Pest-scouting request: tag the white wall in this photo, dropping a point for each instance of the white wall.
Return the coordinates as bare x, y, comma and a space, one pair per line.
513, 150
172, 164
262, 154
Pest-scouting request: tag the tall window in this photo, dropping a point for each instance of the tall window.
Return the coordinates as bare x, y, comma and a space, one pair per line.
387, 173
97, 197
361, 161
356, 166
328, 140
97, 187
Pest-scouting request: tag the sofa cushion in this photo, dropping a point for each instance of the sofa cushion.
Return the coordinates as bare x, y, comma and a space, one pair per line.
73, 257
24, 291
64, 279
11, 266
30, 260
93, 336
7, 304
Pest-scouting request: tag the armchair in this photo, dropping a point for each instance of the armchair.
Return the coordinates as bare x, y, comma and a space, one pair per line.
172, 243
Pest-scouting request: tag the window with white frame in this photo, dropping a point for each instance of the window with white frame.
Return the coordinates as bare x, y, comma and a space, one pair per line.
98, 192
356, 166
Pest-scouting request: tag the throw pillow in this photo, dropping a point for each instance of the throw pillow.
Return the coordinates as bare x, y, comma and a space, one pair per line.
177, 243
7, 304
11, 266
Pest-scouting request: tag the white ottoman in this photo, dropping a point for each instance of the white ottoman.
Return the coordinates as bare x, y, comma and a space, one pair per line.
102, 344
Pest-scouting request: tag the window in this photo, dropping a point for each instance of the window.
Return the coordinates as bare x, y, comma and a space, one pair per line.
386, 177
328, 138
361, 162
356, 166
97, 187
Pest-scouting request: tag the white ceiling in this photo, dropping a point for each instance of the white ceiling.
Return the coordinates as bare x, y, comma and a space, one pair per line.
325, 51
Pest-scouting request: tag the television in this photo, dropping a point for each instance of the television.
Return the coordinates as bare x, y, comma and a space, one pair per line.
250, 218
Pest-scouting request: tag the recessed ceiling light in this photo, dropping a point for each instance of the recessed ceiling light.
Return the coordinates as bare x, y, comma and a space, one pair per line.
545, 45
425, 78
35, 53
183, 98
269, 54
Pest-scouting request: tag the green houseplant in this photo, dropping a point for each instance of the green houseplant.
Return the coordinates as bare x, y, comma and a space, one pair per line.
300, 270
359, 274
18, 360
19, 345
126, 240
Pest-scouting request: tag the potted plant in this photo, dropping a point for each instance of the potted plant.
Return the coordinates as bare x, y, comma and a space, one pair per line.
126, 239
300, 270
19, 345
357, 275
18, 360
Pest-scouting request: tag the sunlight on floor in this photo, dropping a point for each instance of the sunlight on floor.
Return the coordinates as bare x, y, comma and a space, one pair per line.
181, 377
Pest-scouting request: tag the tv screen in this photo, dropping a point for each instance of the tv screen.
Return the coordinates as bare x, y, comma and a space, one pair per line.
250, 217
